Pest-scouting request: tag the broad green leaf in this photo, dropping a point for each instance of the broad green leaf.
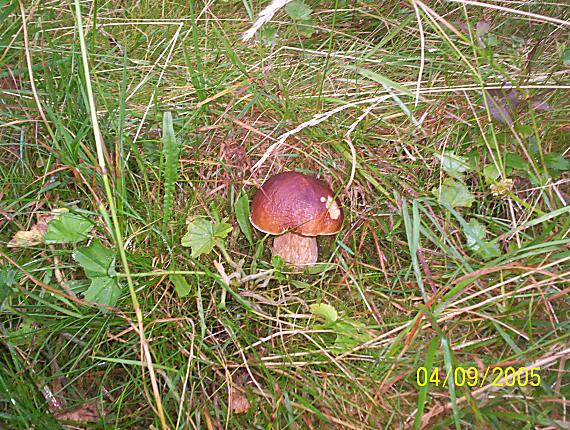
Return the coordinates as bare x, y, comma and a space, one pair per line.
475, 233
221, 230
98, 263
350, 334
67, 227
298, 10
454, 165
515, 161
242, 215
489, 250
491, 173
103, 291
181, 286
96, 260
326, 312
555, 161
454, 193
202, 235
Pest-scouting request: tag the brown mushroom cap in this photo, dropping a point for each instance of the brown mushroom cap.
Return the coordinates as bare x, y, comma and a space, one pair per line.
298, 203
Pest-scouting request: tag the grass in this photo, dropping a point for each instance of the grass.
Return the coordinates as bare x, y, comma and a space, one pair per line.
454, 253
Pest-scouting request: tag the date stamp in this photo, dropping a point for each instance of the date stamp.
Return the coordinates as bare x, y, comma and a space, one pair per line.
471, 377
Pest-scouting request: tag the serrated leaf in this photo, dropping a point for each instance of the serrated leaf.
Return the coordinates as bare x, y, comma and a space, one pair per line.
96, 260
454, 165
454, 193
242, 215
222, 229
181, 286
103, 291
67, 227
202, 235
98, 263
326, 312
298, 10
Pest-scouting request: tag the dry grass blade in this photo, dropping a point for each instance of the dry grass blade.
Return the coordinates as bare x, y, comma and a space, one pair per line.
264, 16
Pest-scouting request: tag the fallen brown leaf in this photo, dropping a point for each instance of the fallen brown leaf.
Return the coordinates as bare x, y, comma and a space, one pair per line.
35, 235
82, 413
238, 402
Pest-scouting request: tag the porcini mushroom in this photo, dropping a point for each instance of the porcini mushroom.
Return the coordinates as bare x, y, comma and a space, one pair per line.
297, 208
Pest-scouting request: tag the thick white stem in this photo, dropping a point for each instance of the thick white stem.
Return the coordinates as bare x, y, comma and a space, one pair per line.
296, 250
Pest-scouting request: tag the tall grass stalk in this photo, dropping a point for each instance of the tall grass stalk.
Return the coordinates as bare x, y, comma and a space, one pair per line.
147, 358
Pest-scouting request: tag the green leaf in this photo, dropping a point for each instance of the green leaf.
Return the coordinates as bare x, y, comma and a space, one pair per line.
268, 34
381, 79
454, 193
98, 263
454, 165
475, 233
7, 279
96, 260
350, 334
67, 227
242, 215
306, 27
298, 10
171, 152
181, 286
515, 161
491, 173
222, 229
202, 235
103, 291
489, 250
566, 55
557, 162
326, 312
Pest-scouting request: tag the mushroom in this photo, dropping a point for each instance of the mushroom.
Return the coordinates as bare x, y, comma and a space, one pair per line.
297, 208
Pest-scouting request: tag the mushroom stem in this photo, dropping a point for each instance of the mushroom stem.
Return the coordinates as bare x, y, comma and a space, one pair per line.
295, 249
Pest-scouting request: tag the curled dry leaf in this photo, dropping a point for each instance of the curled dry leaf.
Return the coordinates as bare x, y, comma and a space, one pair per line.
35, 235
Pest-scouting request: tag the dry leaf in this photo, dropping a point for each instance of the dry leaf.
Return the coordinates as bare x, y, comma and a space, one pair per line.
503, 104
85, 412
238, 403
35, 235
